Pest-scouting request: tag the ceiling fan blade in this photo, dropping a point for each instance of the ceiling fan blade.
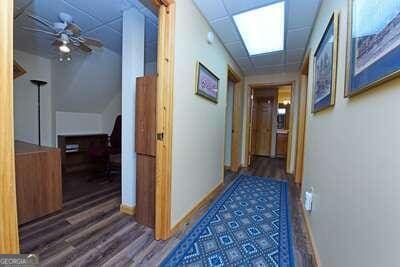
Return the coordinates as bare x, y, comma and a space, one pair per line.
75, 29
92, 42
38, 30
20, 11
85, 48
42, 21
57, 43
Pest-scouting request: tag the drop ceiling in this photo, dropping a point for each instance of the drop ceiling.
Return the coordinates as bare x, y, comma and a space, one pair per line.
299, 19
101, 19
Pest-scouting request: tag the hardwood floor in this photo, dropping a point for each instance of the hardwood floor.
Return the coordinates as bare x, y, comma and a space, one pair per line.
90, 230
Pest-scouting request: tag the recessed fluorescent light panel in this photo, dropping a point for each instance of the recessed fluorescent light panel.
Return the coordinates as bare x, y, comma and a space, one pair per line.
262, 29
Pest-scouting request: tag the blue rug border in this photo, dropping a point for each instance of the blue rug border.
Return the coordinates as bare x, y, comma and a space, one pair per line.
223, 196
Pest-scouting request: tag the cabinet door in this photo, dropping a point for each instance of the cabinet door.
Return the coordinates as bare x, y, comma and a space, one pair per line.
146, 101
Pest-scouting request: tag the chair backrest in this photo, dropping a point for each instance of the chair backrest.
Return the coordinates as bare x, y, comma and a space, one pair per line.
115, 138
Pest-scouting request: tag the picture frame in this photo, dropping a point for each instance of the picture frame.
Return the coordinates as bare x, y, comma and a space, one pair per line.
373, 45
18, 70
207, 83
325, 67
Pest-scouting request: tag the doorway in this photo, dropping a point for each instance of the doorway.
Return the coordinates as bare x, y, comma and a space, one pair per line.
270, 121
231, 160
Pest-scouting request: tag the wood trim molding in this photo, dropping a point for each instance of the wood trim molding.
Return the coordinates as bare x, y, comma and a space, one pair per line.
310, 234
165, 85
209, 197
129, 210
302, 122
9, 240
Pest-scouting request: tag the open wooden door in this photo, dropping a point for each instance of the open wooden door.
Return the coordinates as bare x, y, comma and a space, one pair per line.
9, 241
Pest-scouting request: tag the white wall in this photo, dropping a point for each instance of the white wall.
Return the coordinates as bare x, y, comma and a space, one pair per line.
25, 100
228, 130
150, 68
132, 67
108, 116
277, 78
198, 124
78, 123
352, 161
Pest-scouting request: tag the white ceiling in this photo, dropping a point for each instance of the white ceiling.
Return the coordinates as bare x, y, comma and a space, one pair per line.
101, 19
299, 16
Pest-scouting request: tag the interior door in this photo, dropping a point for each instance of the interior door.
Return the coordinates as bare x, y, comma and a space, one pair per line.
263, 129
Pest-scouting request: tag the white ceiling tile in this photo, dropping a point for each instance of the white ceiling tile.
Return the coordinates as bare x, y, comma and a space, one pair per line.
295, 55
238, 6
110, 38
275, 58
297, 38
302, 14
270, 69
226, 30
293, 67
151, 32
50, 10
116, 25
211, 9
244, 62
237, 49
104, 10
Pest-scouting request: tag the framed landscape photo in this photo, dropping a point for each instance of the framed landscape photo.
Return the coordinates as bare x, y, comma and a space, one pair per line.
373, 50
325, 64
207, 83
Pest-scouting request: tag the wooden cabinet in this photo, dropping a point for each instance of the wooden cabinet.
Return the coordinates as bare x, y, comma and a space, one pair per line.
38, 180
145, 140
281, 144
74, 152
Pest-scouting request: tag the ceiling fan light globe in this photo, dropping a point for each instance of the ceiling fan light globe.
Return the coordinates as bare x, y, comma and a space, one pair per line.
64, 48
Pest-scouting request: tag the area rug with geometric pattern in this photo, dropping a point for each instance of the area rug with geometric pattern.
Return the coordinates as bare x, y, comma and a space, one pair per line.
247, 225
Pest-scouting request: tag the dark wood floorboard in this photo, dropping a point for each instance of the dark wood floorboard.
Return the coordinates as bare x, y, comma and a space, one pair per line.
91, 231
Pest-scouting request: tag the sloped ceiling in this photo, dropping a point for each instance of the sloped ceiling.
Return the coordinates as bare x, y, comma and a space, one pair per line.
88, 83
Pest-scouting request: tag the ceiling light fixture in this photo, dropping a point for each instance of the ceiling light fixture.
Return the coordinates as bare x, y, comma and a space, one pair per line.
64, 48
262, 29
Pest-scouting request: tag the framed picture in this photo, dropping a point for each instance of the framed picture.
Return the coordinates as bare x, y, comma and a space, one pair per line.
325, 63
373, 49
207, 83
18, 70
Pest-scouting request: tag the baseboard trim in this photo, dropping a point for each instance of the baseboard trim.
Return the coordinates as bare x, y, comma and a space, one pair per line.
206, 200
127, 209
310, 234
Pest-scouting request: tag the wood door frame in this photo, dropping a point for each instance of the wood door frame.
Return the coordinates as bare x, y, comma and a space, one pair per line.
236, 120
249, 126
165, 85
9, 239
302, 122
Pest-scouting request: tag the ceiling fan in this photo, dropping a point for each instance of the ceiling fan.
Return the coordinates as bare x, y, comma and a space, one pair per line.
67, 34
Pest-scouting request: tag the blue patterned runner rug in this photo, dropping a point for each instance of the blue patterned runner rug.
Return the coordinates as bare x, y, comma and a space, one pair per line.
248, 225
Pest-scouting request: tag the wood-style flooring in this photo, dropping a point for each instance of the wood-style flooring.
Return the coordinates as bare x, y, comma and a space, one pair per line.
91, 231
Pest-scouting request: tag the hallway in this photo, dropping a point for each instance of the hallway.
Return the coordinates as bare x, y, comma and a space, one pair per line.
91, 231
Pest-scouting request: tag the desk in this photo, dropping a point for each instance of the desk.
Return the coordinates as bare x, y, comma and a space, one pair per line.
38, 180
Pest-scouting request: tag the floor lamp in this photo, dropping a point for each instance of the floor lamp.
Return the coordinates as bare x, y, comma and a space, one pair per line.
38, 83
